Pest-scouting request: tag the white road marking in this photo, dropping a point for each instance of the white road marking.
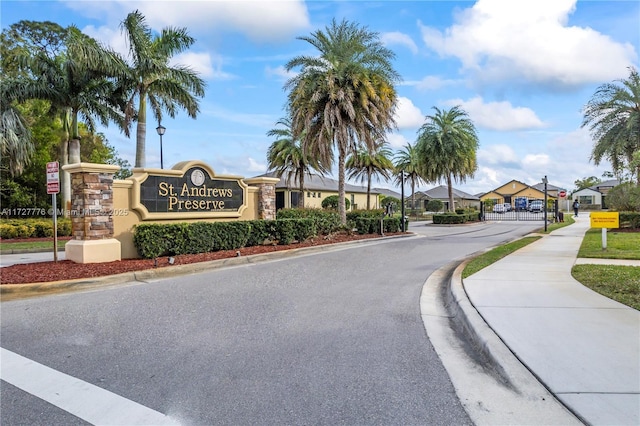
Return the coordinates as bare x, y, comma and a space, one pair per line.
91, 403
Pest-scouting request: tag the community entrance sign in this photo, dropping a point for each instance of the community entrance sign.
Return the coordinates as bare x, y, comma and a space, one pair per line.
190, 190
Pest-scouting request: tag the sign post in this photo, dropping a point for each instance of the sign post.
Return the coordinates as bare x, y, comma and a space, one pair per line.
53, 187
605, 220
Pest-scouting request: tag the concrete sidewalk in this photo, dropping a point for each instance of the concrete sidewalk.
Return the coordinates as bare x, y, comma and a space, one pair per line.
585, 348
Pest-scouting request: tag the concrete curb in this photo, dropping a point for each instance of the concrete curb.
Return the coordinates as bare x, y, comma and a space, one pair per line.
16, 291
492, 384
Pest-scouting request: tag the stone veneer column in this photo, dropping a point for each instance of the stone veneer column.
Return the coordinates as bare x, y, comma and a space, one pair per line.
266, 196
92, 214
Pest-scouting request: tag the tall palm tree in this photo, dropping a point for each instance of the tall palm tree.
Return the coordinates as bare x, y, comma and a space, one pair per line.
287, 156
613, 117
364, 164
15, 138
343, 97
151, 78
408, 161
78, 84
447, 144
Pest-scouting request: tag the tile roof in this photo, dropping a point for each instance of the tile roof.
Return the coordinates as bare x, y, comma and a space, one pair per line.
315, 182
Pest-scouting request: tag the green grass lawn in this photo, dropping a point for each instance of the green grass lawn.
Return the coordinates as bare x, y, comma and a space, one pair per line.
8, 247
620, 245
620, 283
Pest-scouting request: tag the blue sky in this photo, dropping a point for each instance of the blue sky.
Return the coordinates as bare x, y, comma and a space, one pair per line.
521, 69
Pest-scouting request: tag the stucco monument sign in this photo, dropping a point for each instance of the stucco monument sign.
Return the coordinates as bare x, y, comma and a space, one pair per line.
188, 190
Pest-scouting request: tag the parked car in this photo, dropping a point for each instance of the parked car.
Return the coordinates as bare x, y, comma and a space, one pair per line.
499, 208
536, 206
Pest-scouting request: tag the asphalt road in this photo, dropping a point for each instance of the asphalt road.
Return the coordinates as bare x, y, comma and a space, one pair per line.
326, 339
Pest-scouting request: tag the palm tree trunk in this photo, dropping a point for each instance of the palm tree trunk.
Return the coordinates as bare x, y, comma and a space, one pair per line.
368, 190
342, 210
65, 177
450, 190
301, 197
141, 131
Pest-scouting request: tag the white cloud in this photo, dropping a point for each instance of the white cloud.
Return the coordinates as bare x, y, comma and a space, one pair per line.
407, 115
396, 140
255, 166
399, 38
514, 40
430, 82
207, 64
500, 116
499, 155
279, 72
259, 20
536, 161
264, 121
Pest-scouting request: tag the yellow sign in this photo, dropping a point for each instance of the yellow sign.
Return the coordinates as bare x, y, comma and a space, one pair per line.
605, 220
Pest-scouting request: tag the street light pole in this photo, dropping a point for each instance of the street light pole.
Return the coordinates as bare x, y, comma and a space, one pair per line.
545, 202
402, 201
161, 129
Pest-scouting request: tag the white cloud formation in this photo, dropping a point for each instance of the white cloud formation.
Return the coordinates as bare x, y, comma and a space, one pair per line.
259, 20
407, 115
255, 166
498, 155
279, 72
500, 116
399, 38
536, 160
514, 40
207, 64
430, 82
396, 140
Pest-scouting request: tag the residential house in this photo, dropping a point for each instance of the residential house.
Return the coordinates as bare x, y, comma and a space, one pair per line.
594, 197
461, 199
514, 189
317, 188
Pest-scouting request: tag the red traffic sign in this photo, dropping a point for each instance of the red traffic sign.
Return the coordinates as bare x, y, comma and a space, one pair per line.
53, 178
562, 194
53, 187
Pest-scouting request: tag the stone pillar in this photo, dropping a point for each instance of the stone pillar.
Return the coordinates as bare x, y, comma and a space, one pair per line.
92, 214
266, 196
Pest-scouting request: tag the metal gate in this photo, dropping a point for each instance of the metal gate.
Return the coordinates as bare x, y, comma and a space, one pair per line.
518, 214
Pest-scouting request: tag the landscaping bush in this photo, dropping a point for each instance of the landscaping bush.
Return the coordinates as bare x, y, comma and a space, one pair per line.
331, 202
629, 220
624, 197
259, 232
326, 221
33, 228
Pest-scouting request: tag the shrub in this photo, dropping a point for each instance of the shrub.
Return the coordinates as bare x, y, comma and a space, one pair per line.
331, 202
259, 232
435, 205
624, 197
7, 231
326, 221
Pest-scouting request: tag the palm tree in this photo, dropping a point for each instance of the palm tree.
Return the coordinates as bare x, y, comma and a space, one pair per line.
447, 144
364, 164
345, 96
613, 117
78, 84
15, 138
408, 162
151, 78
286, 156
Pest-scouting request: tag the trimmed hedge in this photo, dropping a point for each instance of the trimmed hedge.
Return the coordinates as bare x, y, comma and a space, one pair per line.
454, 218
33, 228
629, 220
154, 240
326, 221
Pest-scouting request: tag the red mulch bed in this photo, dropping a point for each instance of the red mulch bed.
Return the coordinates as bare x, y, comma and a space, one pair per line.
68, 270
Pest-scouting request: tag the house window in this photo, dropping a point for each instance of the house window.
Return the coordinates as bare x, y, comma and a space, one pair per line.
319, 194
308, 194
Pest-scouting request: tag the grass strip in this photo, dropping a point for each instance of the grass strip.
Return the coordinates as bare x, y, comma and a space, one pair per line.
620, 245
620, 283
6, 247
495, 254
